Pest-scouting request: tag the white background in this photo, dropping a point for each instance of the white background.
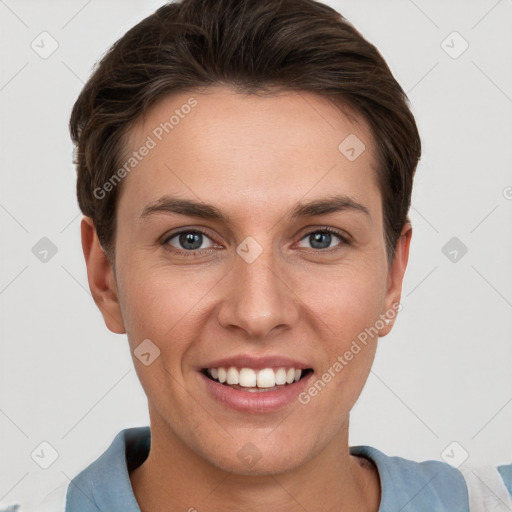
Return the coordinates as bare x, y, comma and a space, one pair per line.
443, 374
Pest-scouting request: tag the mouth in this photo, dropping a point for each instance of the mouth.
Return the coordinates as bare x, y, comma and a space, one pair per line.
255, 384
256, 380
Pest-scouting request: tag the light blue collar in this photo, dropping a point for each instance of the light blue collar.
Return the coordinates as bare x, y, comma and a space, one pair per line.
407, 486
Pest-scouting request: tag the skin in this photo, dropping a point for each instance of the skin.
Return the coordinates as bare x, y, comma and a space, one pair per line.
254, 158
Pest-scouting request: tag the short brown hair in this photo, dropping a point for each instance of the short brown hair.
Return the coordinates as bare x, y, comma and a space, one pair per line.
250, 46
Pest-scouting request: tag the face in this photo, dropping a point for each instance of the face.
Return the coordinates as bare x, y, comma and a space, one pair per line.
247, 239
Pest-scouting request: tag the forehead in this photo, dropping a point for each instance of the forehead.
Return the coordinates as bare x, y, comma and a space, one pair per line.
249, 149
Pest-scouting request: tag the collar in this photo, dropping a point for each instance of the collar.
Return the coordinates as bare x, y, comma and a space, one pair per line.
406, 485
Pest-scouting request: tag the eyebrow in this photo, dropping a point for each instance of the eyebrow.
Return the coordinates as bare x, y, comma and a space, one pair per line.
325, 206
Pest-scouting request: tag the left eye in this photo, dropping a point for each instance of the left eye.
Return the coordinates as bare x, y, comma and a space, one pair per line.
321, 239
189, 240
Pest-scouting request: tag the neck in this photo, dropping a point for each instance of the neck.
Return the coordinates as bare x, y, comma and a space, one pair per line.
173, 477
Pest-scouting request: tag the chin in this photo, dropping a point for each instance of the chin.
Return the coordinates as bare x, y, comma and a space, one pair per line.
257, 455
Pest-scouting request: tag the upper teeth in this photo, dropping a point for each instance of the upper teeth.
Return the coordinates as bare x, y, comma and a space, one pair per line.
249, 378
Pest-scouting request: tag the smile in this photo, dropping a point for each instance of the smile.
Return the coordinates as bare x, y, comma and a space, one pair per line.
254, 391
252, 380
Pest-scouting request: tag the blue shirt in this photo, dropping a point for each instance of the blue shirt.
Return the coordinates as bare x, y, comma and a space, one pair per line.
407, 486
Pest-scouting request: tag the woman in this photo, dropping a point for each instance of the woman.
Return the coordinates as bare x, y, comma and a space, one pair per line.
245, 170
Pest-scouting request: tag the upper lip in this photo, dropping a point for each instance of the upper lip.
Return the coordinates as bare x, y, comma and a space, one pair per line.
257, 363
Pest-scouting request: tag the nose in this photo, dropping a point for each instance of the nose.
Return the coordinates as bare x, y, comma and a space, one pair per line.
258, 299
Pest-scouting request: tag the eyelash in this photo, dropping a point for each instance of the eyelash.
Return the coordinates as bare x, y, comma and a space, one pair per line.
199, 252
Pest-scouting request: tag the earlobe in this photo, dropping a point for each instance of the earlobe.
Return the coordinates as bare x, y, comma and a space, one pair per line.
396, 276
101, 278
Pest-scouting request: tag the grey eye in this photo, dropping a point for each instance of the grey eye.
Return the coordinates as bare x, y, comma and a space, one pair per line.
189, 240
320, 239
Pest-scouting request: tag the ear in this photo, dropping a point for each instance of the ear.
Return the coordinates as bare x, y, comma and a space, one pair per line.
101, 278
395, 277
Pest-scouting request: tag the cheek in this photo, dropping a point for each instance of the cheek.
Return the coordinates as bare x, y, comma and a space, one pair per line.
347, 309
345, 303
166, 308
162, 304
346, 313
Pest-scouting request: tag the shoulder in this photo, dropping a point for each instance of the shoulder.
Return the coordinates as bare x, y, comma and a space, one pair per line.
506, 474
436, 486
409, 486
489, 487
105, 483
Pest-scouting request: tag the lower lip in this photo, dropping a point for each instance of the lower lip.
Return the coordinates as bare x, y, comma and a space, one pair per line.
256, 402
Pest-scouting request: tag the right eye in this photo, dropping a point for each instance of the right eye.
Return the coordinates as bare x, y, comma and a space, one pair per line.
188, 241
